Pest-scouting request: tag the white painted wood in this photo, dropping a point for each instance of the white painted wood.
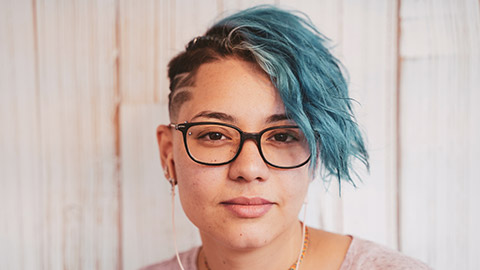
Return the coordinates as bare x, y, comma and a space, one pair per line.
440, 127
369, 37
77, 53
147, 222
439, 132
193, 18
20, 203
231, 6
68, 203
151, 33
61, 196
326, 15
145, 45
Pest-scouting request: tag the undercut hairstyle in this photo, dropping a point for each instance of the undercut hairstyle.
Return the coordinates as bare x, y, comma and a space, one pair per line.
308, 78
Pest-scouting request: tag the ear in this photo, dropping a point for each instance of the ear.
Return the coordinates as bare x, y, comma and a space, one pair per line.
165, 146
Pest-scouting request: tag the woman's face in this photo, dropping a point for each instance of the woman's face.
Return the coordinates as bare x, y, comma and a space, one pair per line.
213, 197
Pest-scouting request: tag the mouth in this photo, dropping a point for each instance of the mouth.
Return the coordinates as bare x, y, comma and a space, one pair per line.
244, 207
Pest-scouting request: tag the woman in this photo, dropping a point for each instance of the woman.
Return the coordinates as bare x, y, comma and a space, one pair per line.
257, 106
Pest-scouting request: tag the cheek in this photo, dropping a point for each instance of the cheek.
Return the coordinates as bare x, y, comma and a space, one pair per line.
198, 187
294, 190
194, 196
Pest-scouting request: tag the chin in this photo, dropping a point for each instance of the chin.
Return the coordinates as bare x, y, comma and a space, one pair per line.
247, 237
247, 242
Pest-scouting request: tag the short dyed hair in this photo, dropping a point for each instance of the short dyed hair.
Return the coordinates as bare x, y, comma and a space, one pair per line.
309, 80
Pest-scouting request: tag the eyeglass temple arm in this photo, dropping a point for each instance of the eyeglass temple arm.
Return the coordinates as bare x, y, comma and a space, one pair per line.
177, 126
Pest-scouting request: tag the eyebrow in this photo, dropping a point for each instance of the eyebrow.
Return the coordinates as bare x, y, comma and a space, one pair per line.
277, 118
215, 115
228, 118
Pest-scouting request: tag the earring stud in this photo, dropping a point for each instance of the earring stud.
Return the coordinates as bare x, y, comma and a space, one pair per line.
172, 181
166, 173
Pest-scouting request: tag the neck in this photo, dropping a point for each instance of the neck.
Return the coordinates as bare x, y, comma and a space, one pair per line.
279, 253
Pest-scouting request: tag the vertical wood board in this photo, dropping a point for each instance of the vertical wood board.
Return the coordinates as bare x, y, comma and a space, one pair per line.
20, 244
369, 53
147, 221
79, 194
439, 131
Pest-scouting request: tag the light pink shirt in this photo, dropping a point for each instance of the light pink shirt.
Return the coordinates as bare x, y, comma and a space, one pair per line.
361, 254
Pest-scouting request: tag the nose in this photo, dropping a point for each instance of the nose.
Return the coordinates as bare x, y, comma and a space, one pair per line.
249, 165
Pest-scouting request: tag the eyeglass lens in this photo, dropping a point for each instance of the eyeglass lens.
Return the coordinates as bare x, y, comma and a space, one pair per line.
216, 144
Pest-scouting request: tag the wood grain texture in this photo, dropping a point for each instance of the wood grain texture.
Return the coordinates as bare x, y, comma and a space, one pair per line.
147, 219
77, 54
83, 87
369, 37
20, 163
145, 45
440, 131
230, 6
61, 198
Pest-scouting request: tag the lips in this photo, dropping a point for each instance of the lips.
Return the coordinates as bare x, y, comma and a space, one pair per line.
244, 207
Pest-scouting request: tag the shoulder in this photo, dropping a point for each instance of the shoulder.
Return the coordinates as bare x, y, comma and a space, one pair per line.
363, 254
188, 258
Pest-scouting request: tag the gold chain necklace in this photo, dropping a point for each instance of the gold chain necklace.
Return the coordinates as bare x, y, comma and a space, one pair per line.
293, 267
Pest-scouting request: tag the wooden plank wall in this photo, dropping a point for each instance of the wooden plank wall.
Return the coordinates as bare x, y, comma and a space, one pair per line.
439, 130
59, 174
83, 87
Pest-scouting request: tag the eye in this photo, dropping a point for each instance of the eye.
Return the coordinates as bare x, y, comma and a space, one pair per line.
283, 137
214, 136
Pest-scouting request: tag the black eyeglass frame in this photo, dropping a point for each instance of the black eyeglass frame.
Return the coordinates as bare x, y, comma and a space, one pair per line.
183, 127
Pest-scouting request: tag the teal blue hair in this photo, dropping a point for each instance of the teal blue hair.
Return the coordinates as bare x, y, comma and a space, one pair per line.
307, 76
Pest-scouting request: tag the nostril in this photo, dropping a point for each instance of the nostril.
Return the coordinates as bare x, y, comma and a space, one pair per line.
240, 179
246, 179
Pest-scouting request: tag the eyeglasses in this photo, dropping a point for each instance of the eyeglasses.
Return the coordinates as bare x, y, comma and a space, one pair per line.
211, 143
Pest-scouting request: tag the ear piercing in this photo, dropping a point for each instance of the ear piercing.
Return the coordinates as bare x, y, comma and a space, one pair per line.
165, 172
172, 181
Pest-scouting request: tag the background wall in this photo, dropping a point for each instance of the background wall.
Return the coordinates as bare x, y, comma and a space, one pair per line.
83, 87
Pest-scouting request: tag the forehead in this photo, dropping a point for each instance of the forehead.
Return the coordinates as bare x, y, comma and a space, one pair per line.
234, 87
